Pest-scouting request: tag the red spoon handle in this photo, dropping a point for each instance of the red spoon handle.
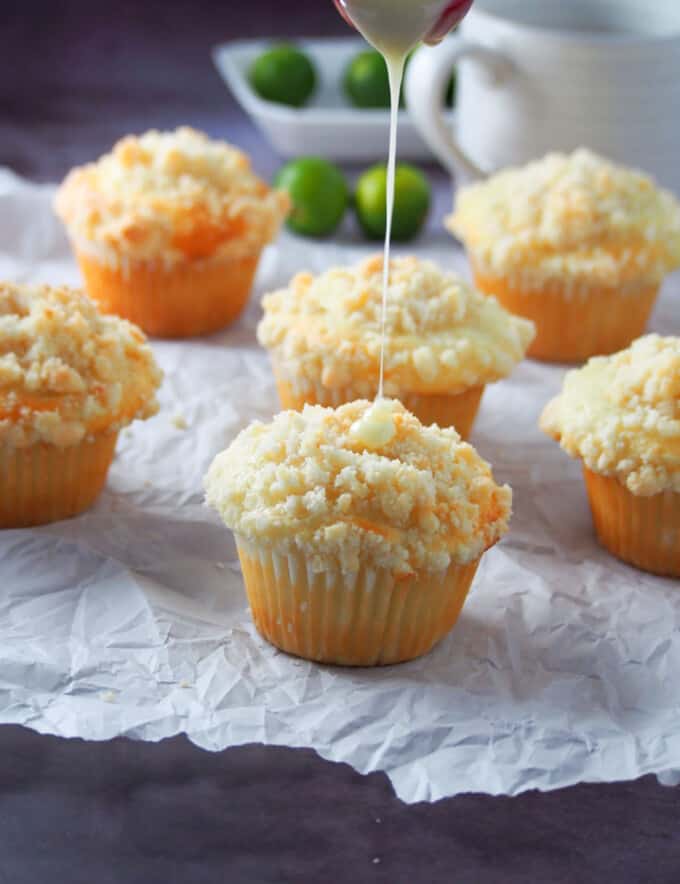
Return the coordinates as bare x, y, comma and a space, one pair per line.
343, 12
452, 16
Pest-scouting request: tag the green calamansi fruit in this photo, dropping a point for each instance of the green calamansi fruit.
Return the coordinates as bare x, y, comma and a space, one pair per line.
412, 197
318, 192
366, 82
283, 74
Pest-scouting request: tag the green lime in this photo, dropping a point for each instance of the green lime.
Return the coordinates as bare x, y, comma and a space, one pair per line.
451, 91
283, 74
366, 82
411, 202
319, 194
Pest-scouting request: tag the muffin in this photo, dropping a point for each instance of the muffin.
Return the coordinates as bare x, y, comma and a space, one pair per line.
575, 243
620, 415
359, 530
443, 340
70, 378
168, 229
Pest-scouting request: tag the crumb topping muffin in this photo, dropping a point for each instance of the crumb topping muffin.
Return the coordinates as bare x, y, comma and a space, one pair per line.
66, 371
419, 501
621, 415
178, 195
574, 217
441, 334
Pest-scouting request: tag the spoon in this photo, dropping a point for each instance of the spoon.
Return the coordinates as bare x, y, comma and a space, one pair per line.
447, 19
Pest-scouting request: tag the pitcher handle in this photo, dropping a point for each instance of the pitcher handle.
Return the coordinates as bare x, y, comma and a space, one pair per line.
426, 78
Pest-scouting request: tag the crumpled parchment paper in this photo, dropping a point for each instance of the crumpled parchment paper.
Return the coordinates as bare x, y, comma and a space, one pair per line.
132, 619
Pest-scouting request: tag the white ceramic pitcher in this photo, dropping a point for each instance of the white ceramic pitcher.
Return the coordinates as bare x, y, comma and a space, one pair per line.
541, 75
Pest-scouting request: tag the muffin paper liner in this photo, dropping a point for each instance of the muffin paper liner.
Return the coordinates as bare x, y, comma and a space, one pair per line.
574, 322
369, 618
174, 301
43, 483
458, 410
643, 531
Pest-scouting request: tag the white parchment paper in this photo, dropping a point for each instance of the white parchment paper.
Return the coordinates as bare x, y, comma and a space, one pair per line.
132, 619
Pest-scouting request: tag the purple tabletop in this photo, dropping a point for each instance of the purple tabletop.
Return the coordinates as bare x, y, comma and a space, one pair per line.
74, 77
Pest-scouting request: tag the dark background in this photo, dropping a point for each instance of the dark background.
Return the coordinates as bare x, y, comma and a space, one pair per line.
77, 75
74, 77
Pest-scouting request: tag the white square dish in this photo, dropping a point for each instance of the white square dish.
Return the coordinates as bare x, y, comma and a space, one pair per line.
328, 125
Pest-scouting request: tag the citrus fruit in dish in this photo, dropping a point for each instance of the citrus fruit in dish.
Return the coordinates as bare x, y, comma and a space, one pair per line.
283, 74
319, 195
366, 82
412, 197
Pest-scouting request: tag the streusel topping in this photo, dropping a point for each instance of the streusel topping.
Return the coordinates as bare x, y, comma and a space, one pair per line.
621, 415
307, 482
572, 217
170, 196
67, 371
441, 335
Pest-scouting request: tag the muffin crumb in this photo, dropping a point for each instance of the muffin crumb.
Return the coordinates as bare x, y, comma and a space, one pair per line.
179, 422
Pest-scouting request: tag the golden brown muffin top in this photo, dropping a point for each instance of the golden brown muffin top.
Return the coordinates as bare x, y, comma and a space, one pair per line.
170, 196
441, 334
621, 415
66, 370
571, 217
406, 498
